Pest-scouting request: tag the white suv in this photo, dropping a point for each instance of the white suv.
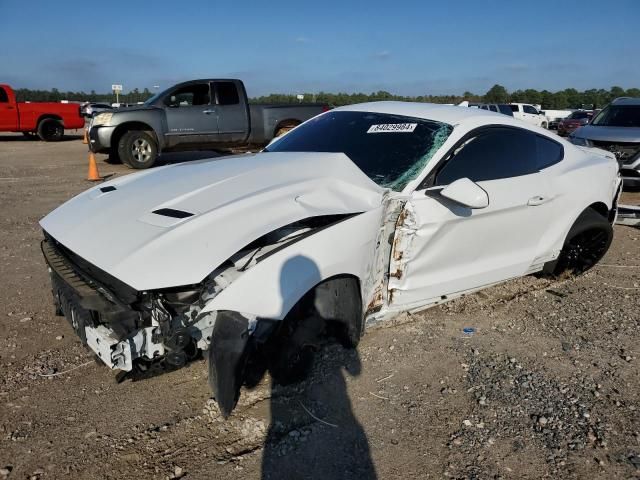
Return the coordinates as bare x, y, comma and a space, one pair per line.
530, 114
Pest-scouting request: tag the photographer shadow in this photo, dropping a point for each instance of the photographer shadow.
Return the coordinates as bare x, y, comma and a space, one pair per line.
313, 432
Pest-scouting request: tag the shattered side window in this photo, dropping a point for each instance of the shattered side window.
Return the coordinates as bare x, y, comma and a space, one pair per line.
390, 149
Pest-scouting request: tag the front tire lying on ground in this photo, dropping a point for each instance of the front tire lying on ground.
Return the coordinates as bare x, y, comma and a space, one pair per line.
50, 130
586, 243
138, 149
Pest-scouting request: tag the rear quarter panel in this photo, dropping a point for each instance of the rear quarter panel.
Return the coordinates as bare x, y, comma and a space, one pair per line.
31, 113
585, 177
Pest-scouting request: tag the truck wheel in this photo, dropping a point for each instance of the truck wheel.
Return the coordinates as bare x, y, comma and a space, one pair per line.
138, 149
113, 158
282, 129
50, 130
544, 125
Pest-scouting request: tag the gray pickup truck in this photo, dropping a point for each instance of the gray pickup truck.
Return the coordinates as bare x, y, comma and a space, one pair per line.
205, 114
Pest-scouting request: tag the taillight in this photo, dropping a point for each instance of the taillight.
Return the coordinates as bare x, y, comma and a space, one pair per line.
326, 108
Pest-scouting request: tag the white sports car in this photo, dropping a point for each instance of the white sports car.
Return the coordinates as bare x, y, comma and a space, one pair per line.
355, 215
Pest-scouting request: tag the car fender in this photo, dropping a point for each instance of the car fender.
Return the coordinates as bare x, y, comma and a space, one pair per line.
151, 119
273, 286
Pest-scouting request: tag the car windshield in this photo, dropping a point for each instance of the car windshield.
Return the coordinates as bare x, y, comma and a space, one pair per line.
390, 149
618, 116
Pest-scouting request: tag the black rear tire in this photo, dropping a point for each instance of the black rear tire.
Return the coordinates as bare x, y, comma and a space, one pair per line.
587, 242
50, 130
138, 149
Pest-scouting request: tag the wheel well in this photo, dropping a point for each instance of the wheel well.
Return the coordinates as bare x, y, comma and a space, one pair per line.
128, 126
338, 301
49, 116
601, 208
290, 122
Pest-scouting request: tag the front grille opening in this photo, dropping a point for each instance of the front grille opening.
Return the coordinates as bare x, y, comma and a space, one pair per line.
170, 212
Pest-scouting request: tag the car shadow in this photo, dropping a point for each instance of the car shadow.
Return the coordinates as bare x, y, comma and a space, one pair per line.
34, 138
179, 157
313, 432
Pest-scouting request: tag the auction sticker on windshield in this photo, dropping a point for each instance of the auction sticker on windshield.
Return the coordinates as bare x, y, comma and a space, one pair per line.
392, 128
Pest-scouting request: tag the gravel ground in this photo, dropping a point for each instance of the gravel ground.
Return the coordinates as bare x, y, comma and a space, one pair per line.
545, 386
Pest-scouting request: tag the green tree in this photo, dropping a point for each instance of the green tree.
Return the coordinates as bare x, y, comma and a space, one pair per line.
496, 94
532, 96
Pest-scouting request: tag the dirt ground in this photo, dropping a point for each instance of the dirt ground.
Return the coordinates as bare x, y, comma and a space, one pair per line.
546, 385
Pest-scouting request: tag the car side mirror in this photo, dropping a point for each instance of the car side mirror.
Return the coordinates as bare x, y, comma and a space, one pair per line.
467, 193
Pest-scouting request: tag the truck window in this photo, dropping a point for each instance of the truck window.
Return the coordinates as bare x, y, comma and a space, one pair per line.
190, 95
493, 108
514, 108
227, 93
505, 109
4, 98
529, 109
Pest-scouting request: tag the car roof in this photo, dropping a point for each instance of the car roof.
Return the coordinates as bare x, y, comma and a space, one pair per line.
450, 114
626, 101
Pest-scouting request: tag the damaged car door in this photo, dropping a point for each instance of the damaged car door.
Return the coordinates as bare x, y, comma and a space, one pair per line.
446, 245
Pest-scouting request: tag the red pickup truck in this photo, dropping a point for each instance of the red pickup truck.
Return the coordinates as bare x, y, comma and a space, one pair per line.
48, 120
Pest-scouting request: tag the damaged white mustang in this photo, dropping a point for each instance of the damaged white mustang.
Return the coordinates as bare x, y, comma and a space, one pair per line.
354, 216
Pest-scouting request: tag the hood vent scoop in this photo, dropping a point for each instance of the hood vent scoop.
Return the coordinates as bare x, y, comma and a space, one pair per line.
170, 212
107, 189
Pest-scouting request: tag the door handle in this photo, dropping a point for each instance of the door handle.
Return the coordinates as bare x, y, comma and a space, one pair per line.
208, 112
537, 200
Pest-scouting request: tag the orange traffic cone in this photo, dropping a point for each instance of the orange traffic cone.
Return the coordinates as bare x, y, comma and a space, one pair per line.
93, 175
85, 138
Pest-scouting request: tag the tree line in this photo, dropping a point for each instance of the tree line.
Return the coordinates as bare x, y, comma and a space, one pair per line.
567, 98
55, 95
561, 99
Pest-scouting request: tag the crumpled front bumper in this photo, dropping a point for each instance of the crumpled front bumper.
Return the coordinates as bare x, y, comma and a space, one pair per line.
87, 306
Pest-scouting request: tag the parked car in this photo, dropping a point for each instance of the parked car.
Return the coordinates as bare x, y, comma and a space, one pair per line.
46, 119
555, 117
503, 108
91, 109
616, 129
574, 121
195, 115
529, 114
357, 214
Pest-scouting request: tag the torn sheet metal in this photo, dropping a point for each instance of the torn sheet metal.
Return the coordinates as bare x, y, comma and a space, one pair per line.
628, 215
375, 283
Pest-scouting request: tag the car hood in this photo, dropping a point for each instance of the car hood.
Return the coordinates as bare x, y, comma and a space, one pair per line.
609, 134
135, 108
232, 201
